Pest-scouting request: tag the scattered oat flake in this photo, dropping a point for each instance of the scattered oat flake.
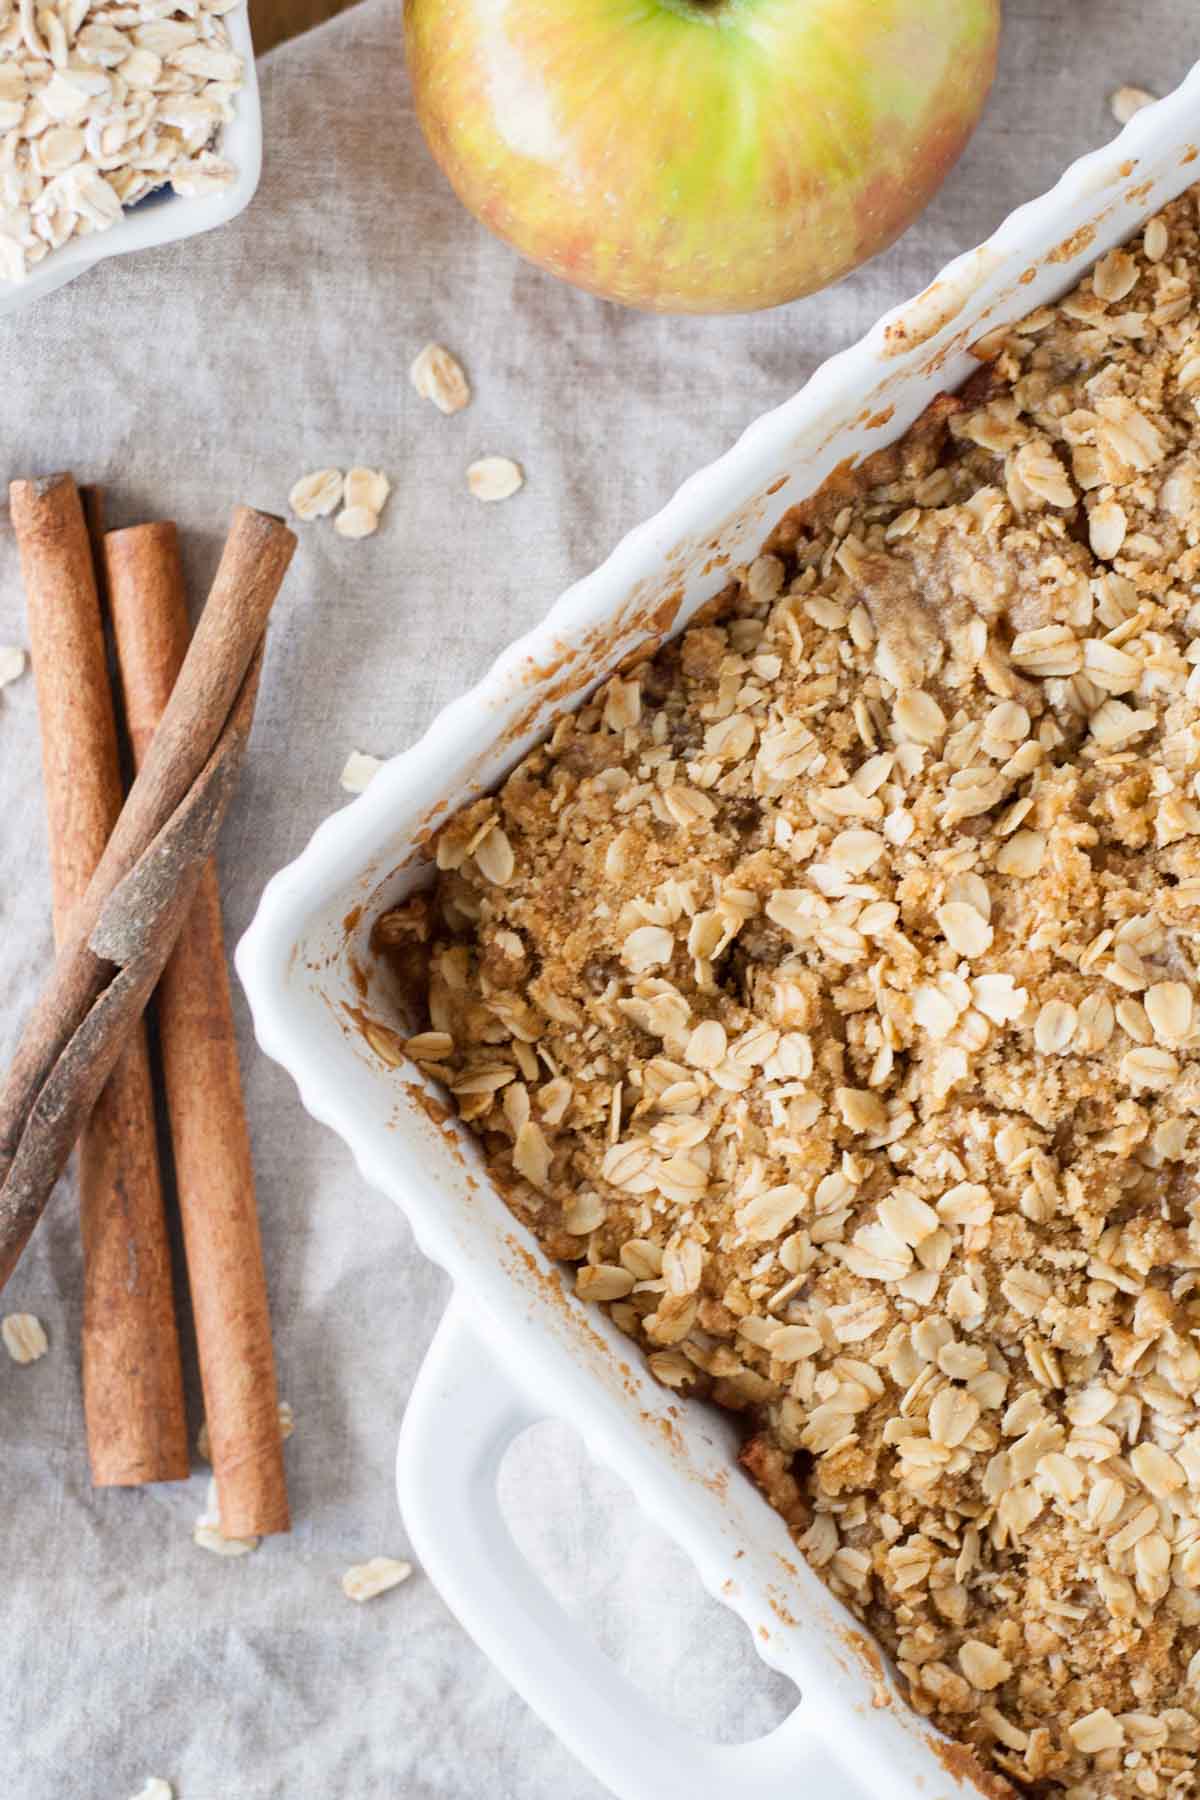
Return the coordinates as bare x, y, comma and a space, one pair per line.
207, 1533
24, 1337
211, 1537
315, 496
439, 377
367, 488
1129, 100
494, 478
363, 1581
155, 1789
12, 663
359, 771
356, 522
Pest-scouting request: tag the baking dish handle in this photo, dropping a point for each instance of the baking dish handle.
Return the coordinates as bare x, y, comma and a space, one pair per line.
464, 1412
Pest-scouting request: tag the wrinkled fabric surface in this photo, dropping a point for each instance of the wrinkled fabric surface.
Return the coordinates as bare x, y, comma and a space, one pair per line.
219, 370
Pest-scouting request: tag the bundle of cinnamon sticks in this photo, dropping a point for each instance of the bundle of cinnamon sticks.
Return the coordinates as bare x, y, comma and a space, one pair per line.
136, 905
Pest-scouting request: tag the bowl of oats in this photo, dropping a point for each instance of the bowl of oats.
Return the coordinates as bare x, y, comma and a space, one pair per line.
773, 995
123, 127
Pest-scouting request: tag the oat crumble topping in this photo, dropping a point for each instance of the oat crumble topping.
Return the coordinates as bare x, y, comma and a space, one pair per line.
825, 991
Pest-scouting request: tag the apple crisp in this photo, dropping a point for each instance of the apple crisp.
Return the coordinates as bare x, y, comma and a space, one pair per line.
825, 988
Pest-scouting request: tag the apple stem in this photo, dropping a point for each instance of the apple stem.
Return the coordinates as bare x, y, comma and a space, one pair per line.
705, 12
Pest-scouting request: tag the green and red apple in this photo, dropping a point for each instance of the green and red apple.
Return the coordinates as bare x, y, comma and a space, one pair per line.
699, 155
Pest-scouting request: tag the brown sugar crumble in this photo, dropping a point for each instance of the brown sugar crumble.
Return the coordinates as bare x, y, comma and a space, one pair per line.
825, 991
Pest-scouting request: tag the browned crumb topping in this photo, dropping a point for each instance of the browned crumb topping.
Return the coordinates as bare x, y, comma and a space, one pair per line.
825, 990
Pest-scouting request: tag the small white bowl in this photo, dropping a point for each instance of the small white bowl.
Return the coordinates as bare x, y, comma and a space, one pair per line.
164, 215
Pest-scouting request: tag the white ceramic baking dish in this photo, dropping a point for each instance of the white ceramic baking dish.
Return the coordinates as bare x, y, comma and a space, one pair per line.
164, 216
515, 1346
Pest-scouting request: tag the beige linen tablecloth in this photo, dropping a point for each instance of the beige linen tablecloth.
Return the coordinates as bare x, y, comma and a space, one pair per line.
219, 370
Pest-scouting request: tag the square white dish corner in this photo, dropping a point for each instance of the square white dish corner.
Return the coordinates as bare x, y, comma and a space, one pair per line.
515, 1345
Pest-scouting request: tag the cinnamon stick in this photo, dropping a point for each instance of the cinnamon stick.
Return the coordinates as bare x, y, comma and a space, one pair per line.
213, 1168
132, 1380
138, 925
173, 812
92, 500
